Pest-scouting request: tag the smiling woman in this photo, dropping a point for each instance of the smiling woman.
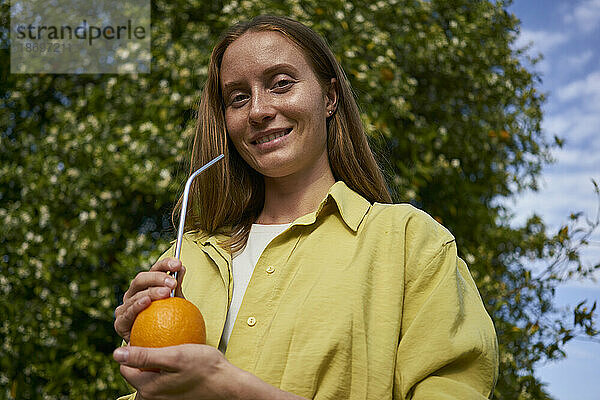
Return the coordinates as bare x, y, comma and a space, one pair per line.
311, 283
285, 71
276, 110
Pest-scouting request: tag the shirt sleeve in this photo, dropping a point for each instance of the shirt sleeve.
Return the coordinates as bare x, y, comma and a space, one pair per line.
448, 348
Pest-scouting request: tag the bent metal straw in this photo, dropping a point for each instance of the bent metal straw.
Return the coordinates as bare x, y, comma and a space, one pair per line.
184, 208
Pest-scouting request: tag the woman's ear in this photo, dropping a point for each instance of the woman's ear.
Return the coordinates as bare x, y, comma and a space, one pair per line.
332, 97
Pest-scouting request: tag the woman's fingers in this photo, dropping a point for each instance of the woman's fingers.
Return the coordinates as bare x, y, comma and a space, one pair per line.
155, 277
151, 294
126, 313
164, 358
146, 287
144, 280
167, 264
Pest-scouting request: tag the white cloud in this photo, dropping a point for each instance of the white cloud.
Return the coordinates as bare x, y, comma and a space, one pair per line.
578, 124
543, 41
562, 192
590, 256
584, 158
580, 60
565, 185
556, 124
585, 16
586, 89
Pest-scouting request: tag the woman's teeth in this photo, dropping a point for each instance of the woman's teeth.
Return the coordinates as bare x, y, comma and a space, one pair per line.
274, 136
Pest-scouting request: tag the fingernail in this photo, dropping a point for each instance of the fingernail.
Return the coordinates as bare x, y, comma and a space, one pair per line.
121, 354
170, 282
163, 291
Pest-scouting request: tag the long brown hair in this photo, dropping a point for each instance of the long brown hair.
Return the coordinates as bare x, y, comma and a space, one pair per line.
229, 196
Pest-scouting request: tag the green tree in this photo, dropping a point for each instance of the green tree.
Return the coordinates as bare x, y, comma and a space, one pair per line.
90, 166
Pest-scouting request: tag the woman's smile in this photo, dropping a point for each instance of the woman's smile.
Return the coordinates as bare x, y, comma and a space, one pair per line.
271, 139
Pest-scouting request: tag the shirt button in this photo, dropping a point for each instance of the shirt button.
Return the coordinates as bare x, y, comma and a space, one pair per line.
270, 269
251, 321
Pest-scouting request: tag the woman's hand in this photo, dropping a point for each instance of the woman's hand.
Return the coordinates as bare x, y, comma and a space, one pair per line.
191, 371
187, 371
145, 288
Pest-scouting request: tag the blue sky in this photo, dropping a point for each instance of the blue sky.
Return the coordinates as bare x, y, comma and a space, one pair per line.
567, 33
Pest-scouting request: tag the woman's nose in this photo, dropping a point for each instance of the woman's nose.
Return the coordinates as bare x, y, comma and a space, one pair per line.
261, 109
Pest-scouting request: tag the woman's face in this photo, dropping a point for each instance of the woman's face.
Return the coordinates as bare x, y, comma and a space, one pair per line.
275, 107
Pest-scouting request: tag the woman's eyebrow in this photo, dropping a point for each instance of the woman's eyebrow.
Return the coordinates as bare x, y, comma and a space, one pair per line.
231, 85
279, 67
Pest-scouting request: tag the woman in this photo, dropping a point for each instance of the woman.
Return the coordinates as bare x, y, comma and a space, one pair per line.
345, 296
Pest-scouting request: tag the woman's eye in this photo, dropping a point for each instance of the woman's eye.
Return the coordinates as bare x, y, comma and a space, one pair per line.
238, 99
283, 84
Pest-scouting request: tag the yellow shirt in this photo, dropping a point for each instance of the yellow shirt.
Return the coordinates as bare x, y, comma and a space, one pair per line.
352, 301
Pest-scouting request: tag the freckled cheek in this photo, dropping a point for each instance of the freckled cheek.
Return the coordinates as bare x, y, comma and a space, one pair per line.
235, 130
299, 109
294, 112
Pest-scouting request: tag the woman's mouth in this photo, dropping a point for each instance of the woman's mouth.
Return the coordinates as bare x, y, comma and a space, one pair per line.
272, 137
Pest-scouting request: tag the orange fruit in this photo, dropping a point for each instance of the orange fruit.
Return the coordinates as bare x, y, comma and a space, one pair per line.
168, 322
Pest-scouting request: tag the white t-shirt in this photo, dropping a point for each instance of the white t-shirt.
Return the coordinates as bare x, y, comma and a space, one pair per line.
242, 268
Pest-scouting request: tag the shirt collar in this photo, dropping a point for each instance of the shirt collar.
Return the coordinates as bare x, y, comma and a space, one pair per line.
351, 206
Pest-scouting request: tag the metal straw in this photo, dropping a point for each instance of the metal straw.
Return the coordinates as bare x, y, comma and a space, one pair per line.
186, 193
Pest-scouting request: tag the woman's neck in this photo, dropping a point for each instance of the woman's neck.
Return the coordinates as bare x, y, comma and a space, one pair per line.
290, 197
